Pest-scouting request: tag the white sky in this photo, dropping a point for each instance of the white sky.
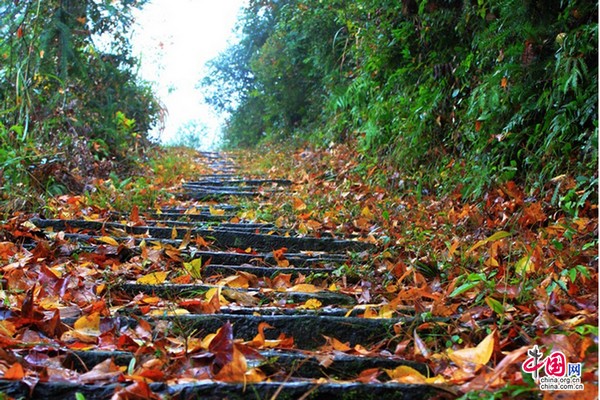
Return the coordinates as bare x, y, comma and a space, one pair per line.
174, 39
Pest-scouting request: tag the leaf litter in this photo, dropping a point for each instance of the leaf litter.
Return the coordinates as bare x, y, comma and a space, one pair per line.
488, 280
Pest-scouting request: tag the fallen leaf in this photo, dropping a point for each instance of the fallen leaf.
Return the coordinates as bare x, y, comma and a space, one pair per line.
108, 240
298, 204
496, 236
406, 374
311, 304
88, 323
155, 278
305, 288
472, 359
14, 373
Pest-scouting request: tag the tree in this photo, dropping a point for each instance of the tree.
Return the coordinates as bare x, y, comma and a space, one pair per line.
506, 87
69, 83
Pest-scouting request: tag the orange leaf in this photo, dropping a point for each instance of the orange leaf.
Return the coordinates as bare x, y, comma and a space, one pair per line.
15, 372
478, 124
405, 374
369, 375
235, 370
135, 214
304, 287
339, 346
299, 205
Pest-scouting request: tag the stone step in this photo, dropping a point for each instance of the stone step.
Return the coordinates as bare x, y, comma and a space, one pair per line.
221, 239
305, 369
194, 208
308, 331
223, 181
178, 291
218, 390
204, 216
206, 195
262, 261
224, 226
214, 269
293, 362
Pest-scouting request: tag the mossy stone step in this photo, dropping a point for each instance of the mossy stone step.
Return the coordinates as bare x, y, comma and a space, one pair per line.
219, 391
171, 291
308, 331
220, 181
313, 262
222, 239
298, 364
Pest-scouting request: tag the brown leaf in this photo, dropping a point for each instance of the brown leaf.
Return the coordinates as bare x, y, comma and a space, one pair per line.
139, 390
222, 346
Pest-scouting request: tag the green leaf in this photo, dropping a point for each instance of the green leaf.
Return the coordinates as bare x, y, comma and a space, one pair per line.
131, 366
194, 268
496, 236
464, 288
495, 305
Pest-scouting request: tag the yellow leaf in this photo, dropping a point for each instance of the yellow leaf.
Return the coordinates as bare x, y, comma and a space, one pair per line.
88, 323
108, 240
496, 236
303, 229
211, 292
311, 304
169, 312
366, 213
473, 358
304, 287
155, 278
207, 339
174, 233
216, 211
405, 374
525, 265
151, 300
280, 222
386, 311
216, 292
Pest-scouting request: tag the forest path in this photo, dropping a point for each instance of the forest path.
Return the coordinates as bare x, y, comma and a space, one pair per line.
212, 305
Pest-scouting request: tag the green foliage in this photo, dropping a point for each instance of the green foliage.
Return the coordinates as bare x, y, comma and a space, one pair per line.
491, 91
67, 94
